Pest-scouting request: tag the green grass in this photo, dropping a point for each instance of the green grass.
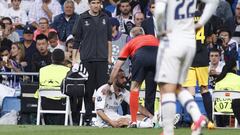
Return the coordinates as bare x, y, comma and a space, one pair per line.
74, 130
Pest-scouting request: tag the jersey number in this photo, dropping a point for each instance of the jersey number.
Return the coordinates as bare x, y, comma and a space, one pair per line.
200, 35
188, 14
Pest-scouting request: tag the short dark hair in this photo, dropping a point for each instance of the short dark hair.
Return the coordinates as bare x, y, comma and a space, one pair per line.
7, 18
225, 29
52, 35
151, 2
41, 37
89, 1
58, 56
124, 1
215, 50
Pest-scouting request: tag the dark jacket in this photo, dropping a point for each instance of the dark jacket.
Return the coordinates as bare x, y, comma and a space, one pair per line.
148, 26
91, 36
64, 27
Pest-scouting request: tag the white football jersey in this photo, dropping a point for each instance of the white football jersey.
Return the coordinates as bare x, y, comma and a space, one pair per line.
179, 15
110, 102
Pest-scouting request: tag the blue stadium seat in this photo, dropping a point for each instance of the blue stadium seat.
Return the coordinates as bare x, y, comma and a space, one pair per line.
10, 103
20, 33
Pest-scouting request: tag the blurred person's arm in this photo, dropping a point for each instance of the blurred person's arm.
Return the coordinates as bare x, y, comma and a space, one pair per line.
209, 9
144, 111
47, 11
109, 52
159, 13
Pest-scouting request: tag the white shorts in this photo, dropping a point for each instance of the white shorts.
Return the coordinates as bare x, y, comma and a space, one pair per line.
113, 116
174, 57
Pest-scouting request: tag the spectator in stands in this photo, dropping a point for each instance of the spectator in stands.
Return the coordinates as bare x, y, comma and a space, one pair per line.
119, 39
106, 105
16, 59
138, 19
228, 46
64, 22
54, 42
92, 36
80, 6
29, 45
125, 17
4, 64
215, 66
3, 37
68, 52
44, 8
9, 30
42, 57
233, 24
134, 4
49, 76
17, 14
43, 28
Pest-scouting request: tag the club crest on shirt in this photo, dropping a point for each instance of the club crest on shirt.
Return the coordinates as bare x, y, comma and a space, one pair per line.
99, 99
104, 22
87, 23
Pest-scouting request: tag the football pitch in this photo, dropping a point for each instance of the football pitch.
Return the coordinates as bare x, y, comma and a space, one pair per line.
75, 130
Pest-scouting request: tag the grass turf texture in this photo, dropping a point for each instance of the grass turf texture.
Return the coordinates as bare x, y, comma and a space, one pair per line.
74, 130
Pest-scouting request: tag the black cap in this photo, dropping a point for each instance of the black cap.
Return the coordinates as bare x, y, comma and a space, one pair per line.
28, 29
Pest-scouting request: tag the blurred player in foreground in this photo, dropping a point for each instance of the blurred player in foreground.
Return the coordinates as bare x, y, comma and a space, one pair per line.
178, 45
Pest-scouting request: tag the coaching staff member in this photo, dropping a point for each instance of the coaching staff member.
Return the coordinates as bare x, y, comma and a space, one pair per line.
142, 50
92, 36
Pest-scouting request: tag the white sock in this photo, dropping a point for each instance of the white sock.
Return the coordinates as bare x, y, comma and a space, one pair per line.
168, 108
186, 99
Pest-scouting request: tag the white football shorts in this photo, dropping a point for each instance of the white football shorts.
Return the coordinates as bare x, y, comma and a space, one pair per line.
174, 57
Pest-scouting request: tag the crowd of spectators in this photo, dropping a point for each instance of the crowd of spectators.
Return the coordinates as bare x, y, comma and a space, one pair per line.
30, 30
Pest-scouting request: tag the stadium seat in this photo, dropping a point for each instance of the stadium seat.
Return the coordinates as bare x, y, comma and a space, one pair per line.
9, 104
54, 93
82, 112
224, 94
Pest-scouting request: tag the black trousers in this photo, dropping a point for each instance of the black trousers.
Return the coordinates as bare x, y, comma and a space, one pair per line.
236, 109
49, 104
150, 92
97, 71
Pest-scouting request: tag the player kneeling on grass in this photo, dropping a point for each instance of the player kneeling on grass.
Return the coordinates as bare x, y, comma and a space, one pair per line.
106, 106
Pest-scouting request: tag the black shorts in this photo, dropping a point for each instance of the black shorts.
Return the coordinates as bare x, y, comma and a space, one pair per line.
143, 61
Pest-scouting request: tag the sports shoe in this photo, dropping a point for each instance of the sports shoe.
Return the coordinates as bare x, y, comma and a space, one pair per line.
210, 125
145, 123
197, 126
177, 118
132, 125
